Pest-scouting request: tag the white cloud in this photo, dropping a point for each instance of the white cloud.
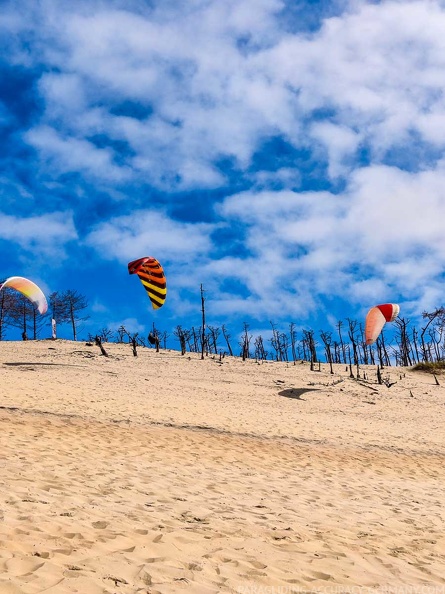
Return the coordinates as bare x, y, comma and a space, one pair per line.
220, 78
398, 214
64, 92
131, 325
72, 154
150, 233
340, 142
382, 236
216, 80
45, 234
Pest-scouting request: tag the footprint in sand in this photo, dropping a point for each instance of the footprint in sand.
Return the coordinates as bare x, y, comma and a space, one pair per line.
22, 565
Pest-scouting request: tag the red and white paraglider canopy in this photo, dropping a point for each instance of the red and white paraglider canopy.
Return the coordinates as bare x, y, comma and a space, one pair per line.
377, 317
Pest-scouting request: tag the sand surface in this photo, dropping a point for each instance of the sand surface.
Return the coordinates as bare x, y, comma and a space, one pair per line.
161, 473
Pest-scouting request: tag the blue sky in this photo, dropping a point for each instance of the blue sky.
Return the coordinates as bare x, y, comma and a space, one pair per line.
287, 155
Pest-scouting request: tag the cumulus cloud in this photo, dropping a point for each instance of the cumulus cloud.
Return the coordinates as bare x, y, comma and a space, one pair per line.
133, 236
219, 79
371, 76
71, 154
45, 234
381, 237
177, 97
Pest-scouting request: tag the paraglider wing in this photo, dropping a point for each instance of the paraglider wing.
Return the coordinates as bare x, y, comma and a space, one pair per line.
377, 317
151, 275
29, 289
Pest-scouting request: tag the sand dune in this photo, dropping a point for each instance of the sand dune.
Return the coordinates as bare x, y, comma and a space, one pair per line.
164, 473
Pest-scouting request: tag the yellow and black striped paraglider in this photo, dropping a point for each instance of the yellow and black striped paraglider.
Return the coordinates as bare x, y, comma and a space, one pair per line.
151, 275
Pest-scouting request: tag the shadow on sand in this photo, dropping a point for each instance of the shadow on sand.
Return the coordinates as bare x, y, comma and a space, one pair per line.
21, 363
296, 392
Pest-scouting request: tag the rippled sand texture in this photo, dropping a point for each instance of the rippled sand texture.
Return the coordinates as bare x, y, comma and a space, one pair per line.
164, 473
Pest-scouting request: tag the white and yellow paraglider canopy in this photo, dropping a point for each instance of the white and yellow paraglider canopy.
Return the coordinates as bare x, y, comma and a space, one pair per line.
29, 289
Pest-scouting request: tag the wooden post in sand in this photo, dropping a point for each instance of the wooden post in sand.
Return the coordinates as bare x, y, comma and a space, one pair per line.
351, 374
99, 344
293, 342
379, 375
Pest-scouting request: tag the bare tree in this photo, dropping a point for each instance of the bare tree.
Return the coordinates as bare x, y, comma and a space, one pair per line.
213, 338
438, 314
342, 345
203, 329
280, 343
245, 343
226, 338
193, 341
363, 346
134, 344
6, 303
37, 323
352, 333
59, 310
275, 342
105, 334
260, 352
121, 333
415, 347
284, 345
336, 355
293, 341
75, 303
155, 337
378, 344
326, 337
22, 314
310, 347
385, 355
181, 336
133, 339
403, 341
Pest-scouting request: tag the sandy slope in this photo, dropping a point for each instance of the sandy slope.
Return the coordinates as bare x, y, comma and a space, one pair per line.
164, 473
